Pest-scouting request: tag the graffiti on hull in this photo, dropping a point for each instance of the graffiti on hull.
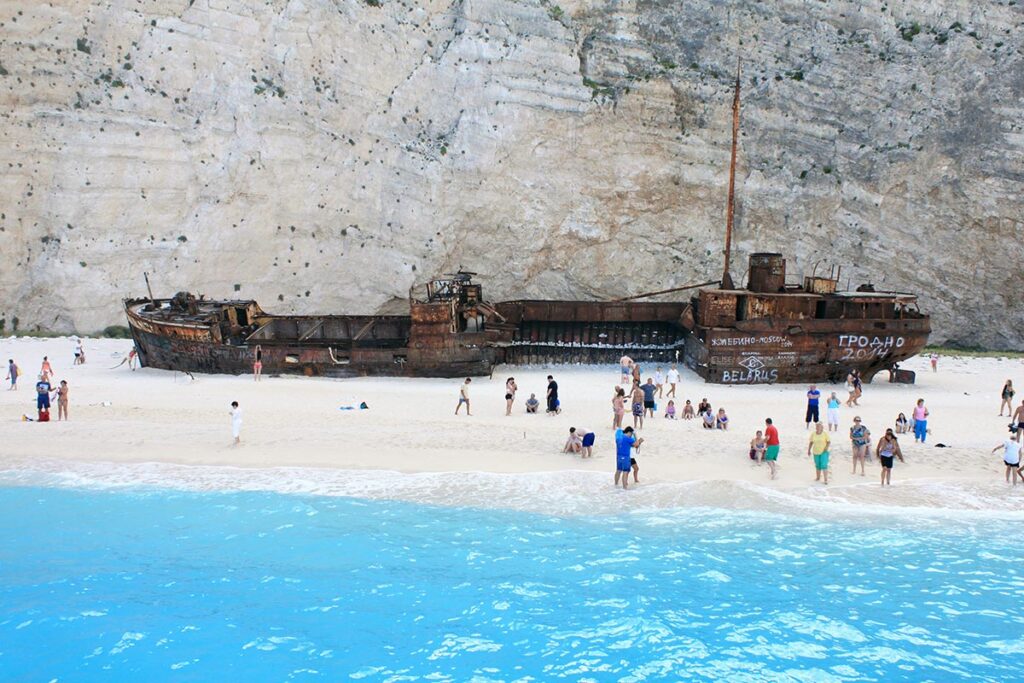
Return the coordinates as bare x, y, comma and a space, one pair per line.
866, 347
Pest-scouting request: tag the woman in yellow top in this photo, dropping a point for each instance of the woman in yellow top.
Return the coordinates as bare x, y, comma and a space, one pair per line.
818, 447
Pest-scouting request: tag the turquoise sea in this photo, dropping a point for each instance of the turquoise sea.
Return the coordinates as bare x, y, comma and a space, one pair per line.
149, 584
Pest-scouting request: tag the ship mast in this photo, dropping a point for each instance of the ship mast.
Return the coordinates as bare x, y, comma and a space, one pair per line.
726, 277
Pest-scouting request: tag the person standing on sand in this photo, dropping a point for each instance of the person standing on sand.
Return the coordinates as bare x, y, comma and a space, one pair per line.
625, 369
832, 411
659, 382
813, 396
818, 446
132, 356
236, 422
553, 404
43, 390
673, 380
464, 396
888, 448
934, 358
79, 354
757, 447
1011, 458
62, 400
12, 374
625, 443
649, 389
636, 372
1007, 396
920, 421
46, 370
771, 451
257, 364
618, 407
860, 438
510, 394
637, 401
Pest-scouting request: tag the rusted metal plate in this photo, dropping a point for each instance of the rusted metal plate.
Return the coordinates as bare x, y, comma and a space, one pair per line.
767, 273
716, 308
783, 306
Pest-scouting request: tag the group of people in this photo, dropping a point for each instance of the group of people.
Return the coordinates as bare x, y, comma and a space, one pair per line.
45, 391
554, 406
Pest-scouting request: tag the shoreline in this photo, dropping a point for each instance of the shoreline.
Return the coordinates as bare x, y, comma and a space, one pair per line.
149, 418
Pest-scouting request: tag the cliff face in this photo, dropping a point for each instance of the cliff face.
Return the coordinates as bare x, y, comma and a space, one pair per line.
326, 155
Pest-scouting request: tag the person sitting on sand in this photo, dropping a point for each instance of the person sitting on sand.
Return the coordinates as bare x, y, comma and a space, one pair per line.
722, 421
670, 410
757, 447
574, 444
902, 424
688, 413
1011, 457
703, 406
708, 419
532, 404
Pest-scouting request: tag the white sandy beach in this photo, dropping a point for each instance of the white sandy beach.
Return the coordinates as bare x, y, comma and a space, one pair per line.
155, 416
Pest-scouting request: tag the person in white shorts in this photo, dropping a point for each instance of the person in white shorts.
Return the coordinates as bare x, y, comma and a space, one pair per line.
1011, 458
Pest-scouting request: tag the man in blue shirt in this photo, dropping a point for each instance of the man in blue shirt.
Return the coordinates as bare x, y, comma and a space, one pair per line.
812, 405
625, 442
42, 393
649, 389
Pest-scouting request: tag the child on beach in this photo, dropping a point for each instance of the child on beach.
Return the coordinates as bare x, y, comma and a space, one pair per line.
1011, 458
532, 404
888, 448
832, 412
757, 447
688, 410
722, 421
670, 410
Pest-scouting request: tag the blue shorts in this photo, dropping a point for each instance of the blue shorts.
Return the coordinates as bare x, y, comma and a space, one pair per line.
588, 440
42, 401
623, 464
625, 370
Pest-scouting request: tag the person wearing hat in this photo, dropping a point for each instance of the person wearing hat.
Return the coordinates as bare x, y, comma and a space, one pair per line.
860, 437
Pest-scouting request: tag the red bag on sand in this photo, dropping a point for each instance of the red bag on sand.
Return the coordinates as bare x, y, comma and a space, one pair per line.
44, 416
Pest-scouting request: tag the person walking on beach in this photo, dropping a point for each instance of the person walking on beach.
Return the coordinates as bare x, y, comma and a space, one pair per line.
636, 372
132, 357
771, 451
12, 374
888, 448
757, 447
464, 396
257, 364
625, 443
510, 394
659, 382
813, 396
1018, 419
553, 405
649, 389
934, 358
46, 370
236, 422
1007, 396
920, 421
79, 355
818, 446
853, 385
860, 439
832, 411
62, 400
1011, 458
673, 379
618, 407
625, 369
637, 401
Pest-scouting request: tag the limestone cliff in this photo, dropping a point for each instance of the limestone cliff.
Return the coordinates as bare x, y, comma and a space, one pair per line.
326, 155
